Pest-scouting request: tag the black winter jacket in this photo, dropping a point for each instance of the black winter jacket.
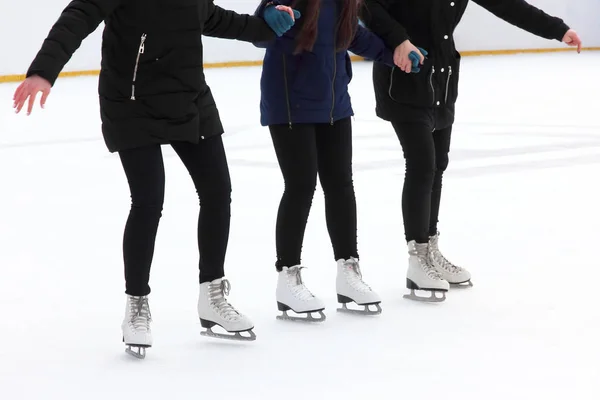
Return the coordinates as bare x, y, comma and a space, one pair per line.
430, 24
152, 87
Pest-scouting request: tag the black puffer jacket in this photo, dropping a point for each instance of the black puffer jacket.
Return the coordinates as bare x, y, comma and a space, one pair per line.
430, 24
152, 86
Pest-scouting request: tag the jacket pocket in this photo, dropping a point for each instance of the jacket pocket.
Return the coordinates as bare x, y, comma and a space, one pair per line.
418, 89
451, 81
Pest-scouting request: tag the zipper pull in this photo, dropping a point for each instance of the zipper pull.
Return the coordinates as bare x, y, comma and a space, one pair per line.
142, 44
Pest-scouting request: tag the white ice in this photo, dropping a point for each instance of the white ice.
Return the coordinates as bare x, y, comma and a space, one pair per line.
520, 210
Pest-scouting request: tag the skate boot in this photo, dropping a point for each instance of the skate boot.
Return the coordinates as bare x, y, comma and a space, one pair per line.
351, 288
137, 335
456, 276
292, 295
422, 275
213, 309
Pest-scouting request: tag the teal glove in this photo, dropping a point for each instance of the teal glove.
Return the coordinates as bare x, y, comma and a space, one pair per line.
414, 57
279, 21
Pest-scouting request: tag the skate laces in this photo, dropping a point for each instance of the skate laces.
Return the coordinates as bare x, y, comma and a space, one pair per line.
422, 252
354, 275
297, 287
139, 311
217, 291
438, 258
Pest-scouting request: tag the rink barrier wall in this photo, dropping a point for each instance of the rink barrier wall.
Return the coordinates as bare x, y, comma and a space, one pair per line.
232, 64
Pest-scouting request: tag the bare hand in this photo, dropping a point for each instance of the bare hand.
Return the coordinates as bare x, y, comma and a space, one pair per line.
288, 10
571, 38
28, 90
401, 58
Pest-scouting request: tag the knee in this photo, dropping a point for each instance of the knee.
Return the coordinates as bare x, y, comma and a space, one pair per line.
301, 188
337, 184
442, 163
423, 168
219, 195
149, 207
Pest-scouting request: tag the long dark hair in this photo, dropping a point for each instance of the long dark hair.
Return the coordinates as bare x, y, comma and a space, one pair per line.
346, 25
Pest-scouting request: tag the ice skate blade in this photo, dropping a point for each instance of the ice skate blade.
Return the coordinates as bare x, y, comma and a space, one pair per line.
462, 285
138, 352
236, 335
431, 299
365, 311
309, 317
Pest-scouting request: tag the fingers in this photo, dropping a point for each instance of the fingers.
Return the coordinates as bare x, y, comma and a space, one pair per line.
31, 102
21, 97
45, 95
287, 10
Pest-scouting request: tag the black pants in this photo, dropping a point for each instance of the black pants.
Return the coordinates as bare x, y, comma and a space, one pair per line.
144, 168
426, 155
302, 152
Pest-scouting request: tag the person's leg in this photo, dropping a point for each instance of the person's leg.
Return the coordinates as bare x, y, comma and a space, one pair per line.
452, 273
146, 177
419, 154
334, 149
297, 156
207, 165
441, 139
418, 146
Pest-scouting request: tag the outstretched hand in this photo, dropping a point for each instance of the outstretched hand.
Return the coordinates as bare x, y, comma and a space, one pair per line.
280, 18
28, 90
571, 38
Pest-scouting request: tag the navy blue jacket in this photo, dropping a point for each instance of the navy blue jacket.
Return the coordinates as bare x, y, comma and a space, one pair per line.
312, 87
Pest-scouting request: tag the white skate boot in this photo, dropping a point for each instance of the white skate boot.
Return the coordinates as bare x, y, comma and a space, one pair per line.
351, 288
137, 335
422, 275
213, 309
292, 295
456, 276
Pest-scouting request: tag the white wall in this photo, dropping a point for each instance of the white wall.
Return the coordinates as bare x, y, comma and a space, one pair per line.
24, 25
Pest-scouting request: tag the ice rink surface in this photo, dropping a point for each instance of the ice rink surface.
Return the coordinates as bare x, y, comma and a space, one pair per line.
520, 209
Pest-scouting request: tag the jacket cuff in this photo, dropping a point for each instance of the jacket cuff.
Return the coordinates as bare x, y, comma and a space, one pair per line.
561, 30
398, 37
50, 76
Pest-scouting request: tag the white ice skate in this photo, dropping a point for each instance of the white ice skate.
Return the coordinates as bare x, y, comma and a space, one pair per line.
137, 334
352, 289
456, 276
213, 309
293, 295
422, 275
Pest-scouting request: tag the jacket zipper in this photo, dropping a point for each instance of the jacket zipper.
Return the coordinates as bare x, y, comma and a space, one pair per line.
391, 83
448, 83
287, 93
137, 63
431, 84
333, 84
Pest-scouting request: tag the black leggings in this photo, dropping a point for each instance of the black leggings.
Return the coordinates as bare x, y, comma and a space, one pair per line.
302, 152
426, 155
144, 168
